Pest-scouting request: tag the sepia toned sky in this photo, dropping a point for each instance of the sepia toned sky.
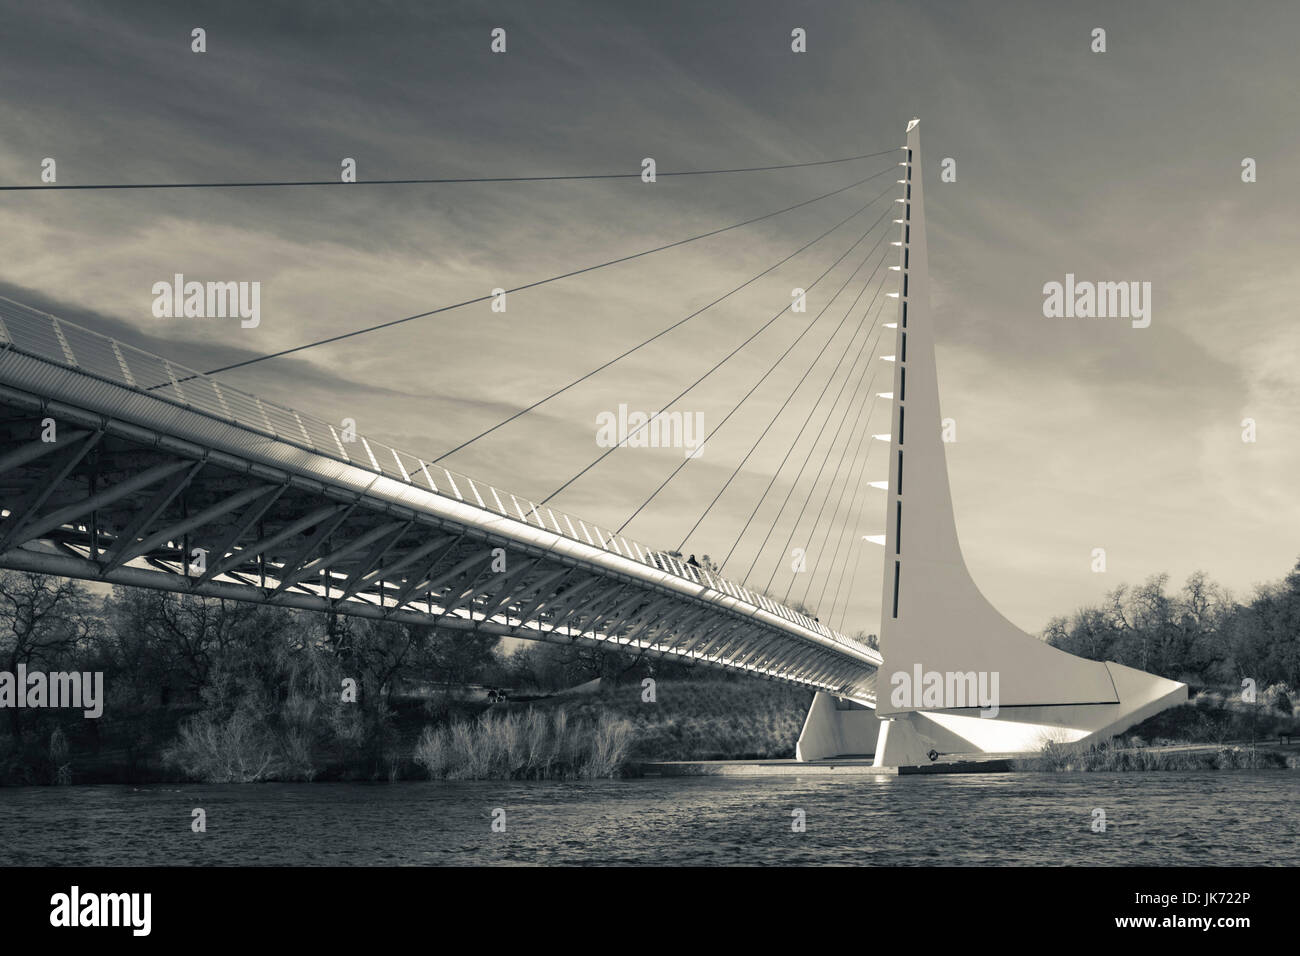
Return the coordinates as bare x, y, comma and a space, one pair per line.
1072, 434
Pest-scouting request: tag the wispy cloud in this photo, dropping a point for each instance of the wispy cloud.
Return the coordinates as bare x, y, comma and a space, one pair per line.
1073, 434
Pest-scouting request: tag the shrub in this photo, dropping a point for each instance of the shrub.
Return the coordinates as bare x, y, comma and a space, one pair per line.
528, 746
234, 750
1278, 697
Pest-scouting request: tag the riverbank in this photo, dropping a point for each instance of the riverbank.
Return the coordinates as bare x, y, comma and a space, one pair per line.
695, 726
1263, 755
1216, 730
576, 735
703, 719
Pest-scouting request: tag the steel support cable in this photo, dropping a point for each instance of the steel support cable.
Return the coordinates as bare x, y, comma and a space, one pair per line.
859, 461
808, 457
444, 180
819, 278
789, 451
759, 331
840, 259
844, 611
855, 503
657, 335
820, 549
824, 309
855, 508
771, 368
835, 475
863, 348
821, 468
541, 282
862, 323
831, 484
857, 560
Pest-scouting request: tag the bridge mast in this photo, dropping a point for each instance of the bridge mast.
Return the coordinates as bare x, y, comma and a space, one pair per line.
935, 623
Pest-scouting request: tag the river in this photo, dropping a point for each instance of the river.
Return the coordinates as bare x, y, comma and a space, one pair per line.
1205, 818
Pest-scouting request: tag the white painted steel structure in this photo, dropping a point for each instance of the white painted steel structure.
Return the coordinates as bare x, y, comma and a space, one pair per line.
934, 620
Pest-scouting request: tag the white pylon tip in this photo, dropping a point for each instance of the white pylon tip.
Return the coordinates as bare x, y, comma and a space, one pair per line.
882, 485
912, 125
875, 539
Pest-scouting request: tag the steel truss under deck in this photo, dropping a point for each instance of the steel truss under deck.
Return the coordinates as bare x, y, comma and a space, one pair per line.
109, 500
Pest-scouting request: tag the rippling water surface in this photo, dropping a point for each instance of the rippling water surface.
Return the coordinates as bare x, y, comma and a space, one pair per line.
1010, 819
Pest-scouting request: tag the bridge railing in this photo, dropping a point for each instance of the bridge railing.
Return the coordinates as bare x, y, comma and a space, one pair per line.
43, 336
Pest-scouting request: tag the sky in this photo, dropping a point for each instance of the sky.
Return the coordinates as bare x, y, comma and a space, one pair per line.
1071, 434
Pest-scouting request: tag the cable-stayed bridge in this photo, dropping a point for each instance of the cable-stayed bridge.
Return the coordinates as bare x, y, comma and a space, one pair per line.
145, 483
123, 467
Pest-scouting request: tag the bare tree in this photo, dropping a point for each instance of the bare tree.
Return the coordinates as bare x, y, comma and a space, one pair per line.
42, 620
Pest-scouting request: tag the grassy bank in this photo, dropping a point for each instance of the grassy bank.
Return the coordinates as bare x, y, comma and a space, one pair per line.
567, 736
605, 733
309, 736
1062, 758
1214, 731
534, 745
701, 719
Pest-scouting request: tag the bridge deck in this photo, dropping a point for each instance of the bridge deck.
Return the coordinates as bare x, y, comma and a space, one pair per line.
159, 476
